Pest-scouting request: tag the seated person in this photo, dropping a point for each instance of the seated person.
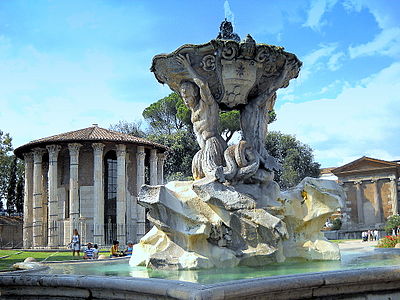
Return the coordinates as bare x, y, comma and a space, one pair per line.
95, 251
114, 251
89, 252
129, 248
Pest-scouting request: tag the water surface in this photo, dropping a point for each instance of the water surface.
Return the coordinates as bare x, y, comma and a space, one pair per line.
351, 259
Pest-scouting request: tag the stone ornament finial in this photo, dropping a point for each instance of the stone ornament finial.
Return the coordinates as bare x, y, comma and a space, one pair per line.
226, 32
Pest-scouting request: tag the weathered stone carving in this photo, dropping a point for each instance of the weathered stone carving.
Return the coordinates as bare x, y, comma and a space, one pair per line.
233, 213
206, 224
205, 118
227, 74
226, 32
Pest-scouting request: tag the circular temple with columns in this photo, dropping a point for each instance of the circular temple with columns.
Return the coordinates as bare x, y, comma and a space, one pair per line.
87, 179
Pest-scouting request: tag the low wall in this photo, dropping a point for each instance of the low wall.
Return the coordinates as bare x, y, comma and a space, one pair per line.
11, 235
371, 283
347, 234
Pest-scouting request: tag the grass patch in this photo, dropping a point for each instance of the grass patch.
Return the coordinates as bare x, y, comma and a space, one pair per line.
14, 257
344, 241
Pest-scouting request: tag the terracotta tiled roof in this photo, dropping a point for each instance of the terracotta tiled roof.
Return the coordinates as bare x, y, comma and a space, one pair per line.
326, 170
90, 134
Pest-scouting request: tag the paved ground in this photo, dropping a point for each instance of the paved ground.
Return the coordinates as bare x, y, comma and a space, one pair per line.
356, 244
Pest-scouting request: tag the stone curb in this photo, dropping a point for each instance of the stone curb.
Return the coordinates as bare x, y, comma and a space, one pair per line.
348, 284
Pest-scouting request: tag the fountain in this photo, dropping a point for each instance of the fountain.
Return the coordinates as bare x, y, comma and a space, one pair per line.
233, 213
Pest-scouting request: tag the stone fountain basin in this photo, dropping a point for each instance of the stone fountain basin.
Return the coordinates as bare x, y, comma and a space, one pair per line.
370, 283
235, 72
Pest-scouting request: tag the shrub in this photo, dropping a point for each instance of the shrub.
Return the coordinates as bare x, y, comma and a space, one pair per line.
389, 241
392, 222
336, 224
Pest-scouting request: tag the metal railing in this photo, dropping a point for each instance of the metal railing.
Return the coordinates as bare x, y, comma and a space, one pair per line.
60, 233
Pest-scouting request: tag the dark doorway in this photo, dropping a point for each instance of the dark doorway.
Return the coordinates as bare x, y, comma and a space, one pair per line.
110, 197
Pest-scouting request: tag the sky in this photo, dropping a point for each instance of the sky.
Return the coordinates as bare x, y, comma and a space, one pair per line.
66, 64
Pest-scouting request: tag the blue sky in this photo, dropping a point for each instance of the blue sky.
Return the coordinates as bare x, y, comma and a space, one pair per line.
67, 64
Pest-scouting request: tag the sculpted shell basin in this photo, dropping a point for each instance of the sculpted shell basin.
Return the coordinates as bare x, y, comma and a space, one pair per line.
234, 71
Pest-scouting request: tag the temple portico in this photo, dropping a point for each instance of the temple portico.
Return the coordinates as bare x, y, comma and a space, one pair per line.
87, 179
372, 189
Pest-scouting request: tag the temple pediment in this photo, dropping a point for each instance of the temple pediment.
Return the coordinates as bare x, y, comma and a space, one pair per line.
365, 164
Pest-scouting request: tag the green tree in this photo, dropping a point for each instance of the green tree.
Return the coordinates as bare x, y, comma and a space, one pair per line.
163, 116
296, 158
19, 196
132, 128
12, 186
229, 124
183, 145
392, 223
5, 163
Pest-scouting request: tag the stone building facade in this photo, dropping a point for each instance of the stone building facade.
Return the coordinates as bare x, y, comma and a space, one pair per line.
372, 189
87, 179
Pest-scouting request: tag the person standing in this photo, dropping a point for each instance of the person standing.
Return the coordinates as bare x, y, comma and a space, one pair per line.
76, 243
376, 234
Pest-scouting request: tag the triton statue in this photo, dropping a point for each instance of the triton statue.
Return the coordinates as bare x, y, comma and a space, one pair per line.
233, 213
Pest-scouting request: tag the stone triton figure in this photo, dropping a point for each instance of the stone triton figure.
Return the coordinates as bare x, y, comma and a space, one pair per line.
235, 214
228, 74
205, 118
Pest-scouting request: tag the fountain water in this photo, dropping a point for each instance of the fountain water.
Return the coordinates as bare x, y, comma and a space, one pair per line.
233, 213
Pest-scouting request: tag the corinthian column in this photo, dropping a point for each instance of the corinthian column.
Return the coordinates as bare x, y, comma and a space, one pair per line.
378, 201
140, 156
98, 217
53, 231
360, 205
160, 167
153, 167
121, 193
395, 208
28, 201
73, 185
37, 197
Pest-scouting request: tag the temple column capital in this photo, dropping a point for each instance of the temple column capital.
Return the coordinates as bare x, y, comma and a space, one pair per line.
38, 155
121, 150
98, 148
28, 157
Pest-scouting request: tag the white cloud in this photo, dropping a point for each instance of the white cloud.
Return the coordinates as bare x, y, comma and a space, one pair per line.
387, 42
42, 94
361, 120
334, 61
317, 9
313, 61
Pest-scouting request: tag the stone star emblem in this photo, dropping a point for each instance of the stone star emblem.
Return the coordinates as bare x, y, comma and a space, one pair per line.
240, 70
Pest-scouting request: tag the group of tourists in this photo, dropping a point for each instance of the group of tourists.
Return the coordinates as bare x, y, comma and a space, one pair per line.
115, 252
370, 235
92, 251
